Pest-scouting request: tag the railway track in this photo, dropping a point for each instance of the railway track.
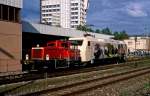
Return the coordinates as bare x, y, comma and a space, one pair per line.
79, 87
34, 76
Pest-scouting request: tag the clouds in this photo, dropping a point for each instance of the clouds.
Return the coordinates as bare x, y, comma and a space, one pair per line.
129, 15
136, 10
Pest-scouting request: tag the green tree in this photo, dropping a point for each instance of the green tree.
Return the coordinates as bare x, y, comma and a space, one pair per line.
90, 30
116, 35
124, 35
84, 28
97, 31
81, 28
121, 35
106, 31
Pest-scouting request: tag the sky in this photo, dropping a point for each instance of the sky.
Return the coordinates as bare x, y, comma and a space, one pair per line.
133, 16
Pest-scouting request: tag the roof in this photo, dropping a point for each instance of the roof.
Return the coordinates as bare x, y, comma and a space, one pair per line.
14, 3
29, 27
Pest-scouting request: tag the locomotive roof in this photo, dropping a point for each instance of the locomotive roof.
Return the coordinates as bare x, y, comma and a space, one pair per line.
84, 38
111, 41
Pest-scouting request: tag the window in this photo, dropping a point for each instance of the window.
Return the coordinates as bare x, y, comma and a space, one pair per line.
88, 43
43, 10
65, 45
58, 9
49, 6
5, 12
76, 8
43, 6
54, 5
9, 13
1, 12
51, 45
54, 10
74, 4
74, 22
74, 17
58, 5
76, 42
72, 26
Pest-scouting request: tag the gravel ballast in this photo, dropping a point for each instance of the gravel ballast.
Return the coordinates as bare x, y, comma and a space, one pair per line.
138, 86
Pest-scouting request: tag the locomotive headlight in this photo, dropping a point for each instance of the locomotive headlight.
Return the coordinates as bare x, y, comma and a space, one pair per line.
47, 57
27, 57
37, 45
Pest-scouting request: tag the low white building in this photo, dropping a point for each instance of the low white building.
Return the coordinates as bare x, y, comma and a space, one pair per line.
138, 43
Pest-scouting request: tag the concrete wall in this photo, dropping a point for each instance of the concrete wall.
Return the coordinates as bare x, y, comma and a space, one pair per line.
14, 3
10, 46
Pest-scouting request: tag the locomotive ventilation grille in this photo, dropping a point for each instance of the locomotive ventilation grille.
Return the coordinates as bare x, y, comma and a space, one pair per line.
37, 53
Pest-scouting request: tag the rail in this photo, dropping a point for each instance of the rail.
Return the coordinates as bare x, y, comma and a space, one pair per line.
76, 89
24, 76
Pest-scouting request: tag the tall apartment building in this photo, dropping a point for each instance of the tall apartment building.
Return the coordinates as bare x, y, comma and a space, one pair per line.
64, 13
10, 35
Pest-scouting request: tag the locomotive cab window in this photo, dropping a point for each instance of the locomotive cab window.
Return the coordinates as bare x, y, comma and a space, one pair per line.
76, 42
51, 45
65, 45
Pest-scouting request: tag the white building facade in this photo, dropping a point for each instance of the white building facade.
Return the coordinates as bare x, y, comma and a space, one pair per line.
138, 43
64, 13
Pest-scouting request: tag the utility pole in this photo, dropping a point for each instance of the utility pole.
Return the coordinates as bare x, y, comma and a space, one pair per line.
147, 39
135, 39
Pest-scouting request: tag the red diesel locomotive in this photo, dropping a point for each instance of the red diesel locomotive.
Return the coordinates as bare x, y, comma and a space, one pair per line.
57, 54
